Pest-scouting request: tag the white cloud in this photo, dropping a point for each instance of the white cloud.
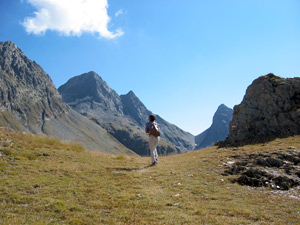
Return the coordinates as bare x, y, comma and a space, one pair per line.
120, 12
70, 17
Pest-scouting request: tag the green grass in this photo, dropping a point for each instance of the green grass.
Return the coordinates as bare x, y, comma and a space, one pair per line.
46, 181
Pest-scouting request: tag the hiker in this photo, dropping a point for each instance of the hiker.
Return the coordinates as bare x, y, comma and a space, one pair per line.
154, 133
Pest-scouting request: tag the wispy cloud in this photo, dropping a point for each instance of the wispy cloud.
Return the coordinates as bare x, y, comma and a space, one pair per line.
120, 12
70, 17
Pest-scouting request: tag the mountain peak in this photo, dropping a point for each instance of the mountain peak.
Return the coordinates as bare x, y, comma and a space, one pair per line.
89, 87
8, 44
91, 75
222, 107
131, 93
222, 114
219, 129
17, 68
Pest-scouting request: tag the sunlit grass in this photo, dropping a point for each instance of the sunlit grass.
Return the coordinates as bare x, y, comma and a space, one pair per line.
46, 181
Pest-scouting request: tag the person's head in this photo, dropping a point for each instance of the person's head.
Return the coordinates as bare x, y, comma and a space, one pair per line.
151, 118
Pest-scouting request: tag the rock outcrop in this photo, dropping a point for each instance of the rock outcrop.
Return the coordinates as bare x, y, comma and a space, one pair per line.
219, 129
30, 102
278, 170
123, 116
270, 109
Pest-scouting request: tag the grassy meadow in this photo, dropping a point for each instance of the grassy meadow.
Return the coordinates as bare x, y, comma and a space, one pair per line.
47, 181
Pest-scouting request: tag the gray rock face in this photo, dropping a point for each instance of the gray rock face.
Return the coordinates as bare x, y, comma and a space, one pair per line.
26, 90
123, 116
134, 108
30, 102
219, 129
270, 109
90, 88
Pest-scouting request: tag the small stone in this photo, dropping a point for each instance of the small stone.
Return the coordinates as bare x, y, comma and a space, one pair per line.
222, 180
117, 172
176, 204
190, 175
177, 195
105, 210
36, 186
291, 147
179, 184
139, 195
204, 160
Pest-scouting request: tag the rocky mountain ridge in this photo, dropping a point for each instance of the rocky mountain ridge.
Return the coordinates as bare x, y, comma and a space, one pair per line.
123, 116
30, 102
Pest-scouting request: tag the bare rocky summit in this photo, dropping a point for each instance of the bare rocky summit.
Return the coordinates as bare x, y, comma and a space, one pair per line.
270, 109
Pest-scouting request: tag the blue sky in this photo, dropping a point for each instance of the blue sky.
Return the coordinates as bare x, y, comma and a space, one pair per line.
181, 58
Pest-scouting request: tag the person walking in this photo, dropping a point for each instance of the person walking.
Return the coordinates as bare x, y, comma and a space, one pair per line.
154, 133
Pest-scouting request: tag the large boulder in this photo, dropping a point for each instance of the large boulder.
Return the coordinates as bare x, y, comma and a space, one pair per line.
270, 109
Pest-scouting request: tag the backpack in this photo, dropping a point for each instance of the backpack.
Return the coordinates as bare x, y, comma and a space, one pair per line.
154, 130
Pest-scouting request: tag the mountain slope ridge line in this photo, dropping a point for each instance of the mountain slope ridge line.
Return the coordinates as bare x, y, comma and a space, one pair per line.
30, 102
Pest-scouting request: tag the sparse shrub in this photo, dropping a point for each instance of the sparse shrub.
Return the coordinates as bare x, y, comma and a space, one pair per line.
31, 156
2, 165
120, 157
46, 140
56, 206
7, 151
75, 147
76, 221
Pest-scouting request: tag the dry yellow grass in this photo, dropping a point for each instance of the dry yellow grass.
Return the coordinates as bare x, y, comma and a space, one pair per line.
45, 181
